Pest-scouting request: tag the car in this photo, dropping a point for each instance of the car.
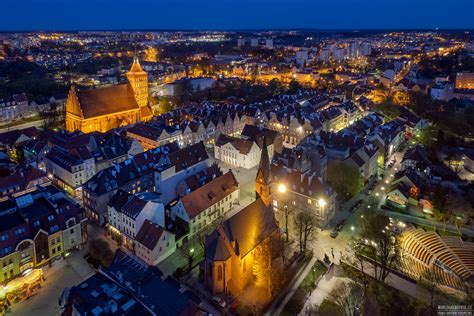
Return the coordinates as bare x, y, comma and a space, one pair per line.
385, 207
334, 234
219, 301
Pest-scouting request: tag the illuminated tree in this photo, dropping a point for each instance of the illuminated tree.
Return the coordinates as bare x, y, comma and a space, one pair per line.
379, 244
151, 55
268, 271
401, 98
349, 296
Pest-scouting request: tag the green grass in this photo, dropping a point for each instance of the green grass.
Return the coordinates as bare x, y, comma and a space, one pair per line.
21, 121
296, 302
317, 270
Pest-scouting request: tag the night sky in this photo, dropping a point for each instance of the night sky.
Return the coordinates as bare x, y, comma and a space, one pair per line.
233, 14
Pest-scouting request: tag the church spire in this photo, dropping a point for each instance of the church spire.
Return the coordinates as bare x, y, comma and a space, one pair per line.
264, 177
264, 167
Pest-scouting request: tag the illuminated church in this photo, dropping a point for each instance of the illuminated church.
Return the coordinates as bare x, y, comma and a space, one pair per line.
110, 107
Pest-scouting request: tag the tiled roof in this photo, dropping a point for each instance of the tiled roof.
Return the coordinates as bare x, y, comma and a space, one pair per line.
188, 156
248, 228
103, 101
209, 194
149, 234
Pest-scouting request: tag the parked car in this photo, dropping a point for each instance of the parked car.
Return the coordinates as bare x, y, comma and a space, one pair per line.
219, 301
334, 234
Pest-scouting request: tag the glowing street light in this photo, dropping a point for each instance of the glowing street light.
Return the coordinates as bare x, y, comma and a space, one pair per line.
282, 188
322, 202
352, 228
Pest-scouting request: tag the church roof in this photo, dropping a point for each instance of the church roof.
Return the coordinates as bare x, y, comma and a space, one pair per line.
136, 68
264, 168
108, 100
248, 228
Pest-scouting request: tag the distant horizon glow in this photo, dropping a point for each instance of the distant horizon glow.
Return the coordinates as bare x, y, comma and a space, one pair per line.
50, 15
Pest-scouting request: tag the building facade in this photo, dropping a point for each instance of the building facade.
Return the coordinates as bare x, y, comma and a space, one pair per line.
110, 107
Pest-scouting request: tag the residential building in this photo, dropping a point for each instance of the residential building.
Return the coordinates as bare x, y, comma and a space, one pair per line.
129, 287
200, 208
36, 228
136, 174
177, 166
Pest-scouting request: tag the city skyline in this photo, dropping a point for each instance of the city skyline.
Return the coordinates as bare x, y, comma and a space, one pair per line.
244, 15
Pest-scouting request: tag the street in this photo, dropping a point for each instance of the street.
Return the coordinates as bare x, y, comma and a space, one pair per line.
63, 273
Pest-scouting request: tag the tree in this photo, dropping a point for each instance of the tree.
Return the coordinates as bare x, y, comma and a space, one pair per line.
99, 249
189, 252
379, 244
345, 179
329, 308
49, 116
430, 280
305, 222
268, 271
439, 200
401, 98
293, 87
165, 105
349, 296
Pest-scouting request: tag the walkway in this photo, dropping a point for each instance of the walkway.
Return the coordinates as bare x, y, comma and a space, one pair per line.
279, 303
429, 222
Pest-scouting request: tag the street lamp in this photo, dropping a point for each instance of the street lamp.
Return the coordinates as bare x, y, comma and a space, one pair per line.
282, 188
322, 202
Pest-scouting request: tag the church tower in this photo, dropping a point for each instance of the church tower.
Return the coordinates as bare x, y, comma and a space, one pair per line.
264, 178
138, 79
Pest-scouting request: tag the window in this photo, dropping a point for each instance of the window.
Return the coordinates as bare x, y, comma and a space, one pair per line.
50, 218
3, 237
54, 228
20, 231
6, 250
219, 273
36, 223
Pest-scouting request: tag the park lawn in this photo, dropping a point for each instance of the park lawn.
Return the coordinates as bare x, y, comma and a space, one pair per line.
309, 281
22, 121
296, 302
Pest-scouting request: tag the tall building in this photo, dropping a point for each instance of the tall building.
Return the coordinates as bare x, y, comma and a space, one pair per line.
269, 43
110, 107
264, 178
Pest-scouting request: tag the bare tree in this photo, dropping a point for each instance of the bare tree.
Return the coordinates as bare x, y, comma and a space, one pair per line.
379, 244
189, 252
305, 225
349, 296
430, 280
287, 212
